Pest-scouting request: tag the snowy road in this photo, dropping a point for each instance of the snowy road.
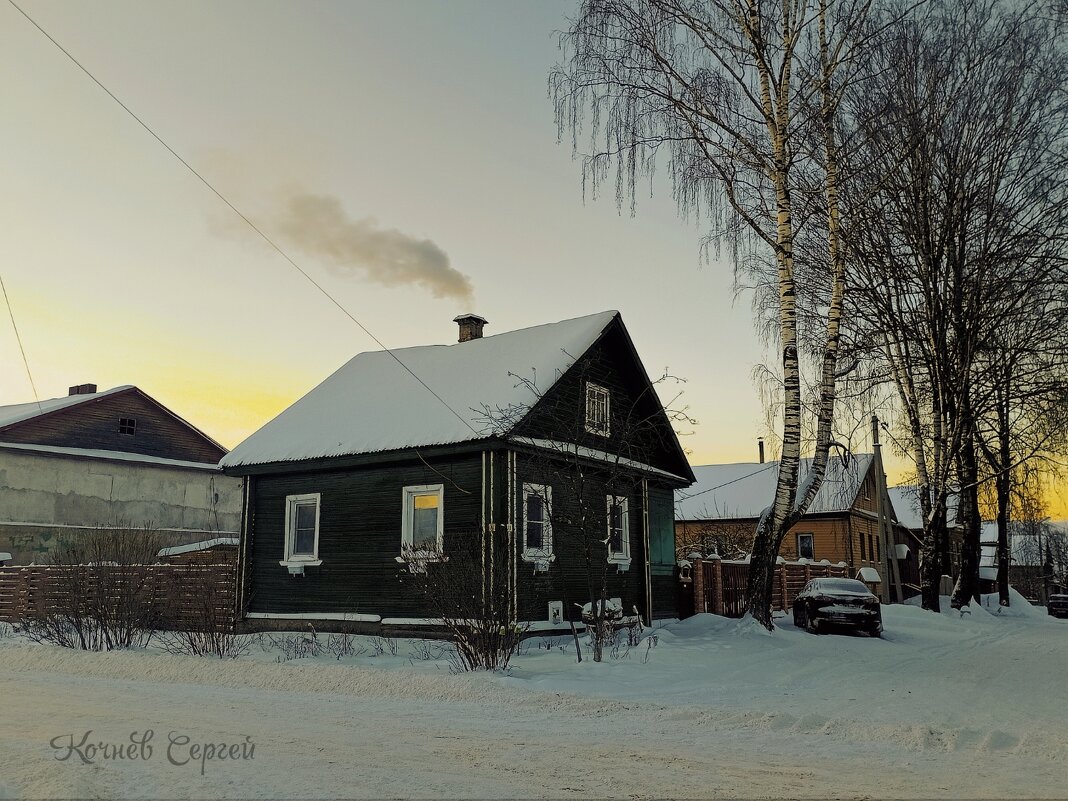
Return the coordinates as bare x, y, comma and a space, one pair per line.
669, 727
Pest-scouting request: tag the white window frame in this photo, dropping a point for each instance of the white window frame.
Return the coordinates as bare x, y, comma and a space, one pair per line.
292, 502
592, 427
408, 496
545, 552
812, 539
620, 558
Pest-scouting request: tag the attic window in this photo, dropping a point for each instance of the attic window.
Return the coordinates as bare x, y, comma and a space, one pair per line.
127, 425
597, 409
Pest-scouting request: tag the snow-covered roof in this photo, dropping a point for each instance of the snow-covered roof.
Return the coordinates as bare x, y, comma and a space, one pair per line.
372, 404
869, 575
571, 449
20, 412
906, 502
744, 490
1028, 546
175, 550
115, 456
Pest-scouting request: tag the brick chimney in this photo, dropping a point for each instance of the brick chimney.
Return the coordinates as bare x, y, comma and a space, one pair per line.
82, 389
760, 448
470, 326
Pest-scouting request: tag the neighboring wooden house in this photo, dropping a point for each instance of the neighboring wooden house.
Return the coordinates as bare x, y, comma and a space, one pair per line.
719, 513
371, 475
114, 457
906, 501
1039, 565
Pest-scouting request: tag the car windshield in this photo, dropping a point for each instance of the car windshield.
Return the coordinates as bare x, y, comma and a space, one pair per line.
834, 586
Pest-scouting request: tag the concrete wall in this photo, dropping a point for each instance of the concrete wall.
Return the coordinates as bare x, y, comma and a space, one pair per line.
45, 497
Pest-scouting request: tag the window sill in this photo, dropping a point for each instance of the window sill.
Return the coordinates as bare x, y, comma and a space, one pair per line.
301, 563
622, 563
418, 560
540, 559
538, 556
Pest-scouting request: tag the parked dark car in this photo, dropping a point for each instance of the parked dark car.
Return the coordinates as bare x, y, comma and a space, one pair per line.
827, 602
1058, 605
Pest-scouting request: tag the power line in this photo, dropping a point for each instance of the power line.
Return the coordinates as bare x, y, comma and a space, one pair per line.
238, 212
686, 497
18, 337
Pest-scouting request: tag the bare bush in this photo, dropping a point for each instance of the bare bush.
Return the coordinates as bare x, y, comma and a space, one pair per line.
200, 619
100, 595
380, 645
344, 645
427, 651
295, 646
650, 643
474, 605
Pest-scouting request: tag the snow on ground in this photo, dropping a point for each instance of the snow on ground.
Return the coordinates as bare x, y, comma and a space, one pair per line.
943, 706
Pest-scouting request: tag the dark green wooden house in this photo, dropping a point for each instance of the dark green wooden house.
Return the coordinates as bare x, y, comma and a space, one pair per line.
546, 450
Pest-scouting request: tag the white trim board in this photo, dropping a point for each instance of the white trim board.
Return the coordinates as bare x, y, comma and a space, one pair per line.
352, 616
110, 526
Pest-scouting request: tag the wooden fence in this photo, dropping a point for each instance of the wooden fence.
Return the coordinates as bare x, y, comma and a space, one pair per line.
181, 596
718, 585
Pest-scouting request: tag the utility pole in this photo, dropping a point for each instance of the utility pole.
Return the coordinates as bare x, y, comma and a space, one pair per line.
890, 571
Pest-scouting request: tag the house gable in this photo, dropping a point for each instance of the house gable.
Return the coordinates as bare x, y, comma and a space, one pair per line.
125, 420
638, 427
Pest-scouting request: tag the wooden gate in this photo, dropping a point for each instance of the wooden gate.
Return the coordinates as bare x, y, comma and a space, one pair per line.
735, 577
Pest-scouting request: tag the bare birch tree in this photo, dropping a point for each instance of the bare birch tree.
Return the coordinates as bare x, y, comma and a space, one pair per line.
958, 221
730, 90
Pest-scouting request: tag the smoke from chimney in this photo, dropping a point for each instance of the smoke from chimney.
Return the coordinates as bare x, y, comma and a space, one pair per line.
319, 225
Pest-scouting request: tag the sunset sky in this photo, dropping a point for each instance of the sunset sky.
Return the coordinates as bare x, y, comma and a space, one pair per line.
353, 133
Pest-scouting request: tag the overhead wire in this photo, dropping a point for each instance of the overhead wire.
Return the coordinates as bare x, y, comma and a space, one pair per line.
22, 350
683, 495
240, 214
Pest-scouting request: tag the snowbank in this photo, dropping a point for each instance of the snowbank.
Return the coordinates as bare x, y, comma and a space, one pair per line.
945, 705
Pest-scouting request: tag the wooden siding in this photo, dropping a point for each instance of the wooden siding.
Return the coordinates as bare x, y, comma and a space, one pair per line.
94, 424
835, 538
639, 429
359, 535
569, 578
